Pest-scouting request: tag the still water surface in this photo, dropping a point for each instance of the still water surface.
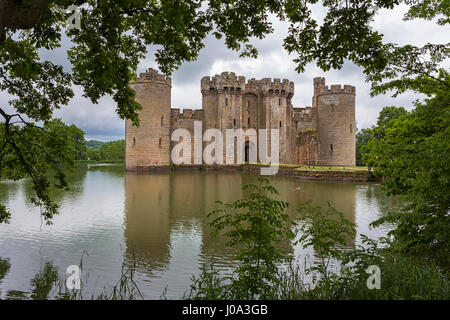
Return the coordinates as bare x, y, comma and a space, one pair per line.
110, 218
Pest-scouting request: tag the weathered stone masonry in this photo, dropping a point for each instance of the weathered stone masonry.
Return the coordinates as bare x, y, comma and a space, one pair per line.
323, 134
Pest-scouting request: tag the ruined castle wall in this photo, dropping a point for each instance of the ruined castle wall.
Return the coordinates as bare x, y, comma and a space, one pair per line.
149, 145
336, 124
304, 120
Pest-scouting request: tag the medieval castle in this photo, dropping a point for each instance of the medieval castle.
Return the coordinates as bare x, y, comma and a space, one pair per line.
322, 134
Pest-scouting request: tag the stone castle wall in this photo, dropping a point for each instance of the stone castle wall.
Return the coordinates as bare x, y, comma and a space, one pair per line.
321, 134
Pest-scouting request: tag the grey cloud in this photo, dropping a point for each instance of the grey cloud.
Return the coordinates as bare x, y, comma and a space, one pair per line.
99, 120
59, 55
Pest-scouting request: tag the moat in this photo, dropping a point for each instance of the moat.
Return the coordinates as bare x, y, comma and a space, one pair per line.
157, 219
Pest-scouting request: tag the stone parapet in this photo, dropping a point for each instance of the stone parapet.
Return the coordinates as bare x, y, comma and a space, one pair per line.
226, 80
336, 88
229, 80
303, 114
152, 75
269, 86
196, 114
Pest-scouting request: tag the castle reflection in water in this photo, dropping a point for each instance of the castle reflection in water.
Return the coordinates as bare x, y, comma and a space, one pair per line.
157, 205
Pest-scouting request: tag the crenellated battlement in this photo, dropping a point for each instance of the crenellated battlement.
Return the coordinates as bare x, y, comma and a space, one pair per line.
229, 80
196, 114
225, 80
320, 88
336, 88
319, 82
303, 114
152, 75
268, 86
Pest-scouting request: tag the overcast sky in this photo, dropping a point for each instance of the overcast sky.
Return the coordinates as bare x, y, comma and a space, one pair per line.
100, 122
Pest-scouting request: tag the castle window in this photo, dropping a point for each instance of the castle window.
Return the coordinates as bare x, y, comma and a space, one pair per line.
248, 121
160, 142
234, 121
351, 127
280, 124
226, 101
331, 147
162, 120
279, 102
134, 141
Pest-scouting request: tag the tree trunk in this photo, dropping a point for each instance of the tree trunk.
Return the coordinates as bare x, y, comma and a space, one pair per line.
21, 14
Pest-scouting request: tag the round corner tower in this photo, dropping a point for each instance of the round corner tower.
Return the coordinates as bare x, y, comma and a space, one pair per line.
148, 145
336, 122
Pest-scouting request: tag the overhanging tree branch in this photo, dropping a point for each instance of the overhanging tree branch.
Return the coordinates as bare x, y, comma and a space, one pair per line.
23, 14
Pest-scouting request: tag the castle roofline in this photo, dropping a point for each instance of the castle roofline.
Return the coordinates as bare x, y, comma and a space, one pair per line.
187, 113
229, 80
152, 75
320, 88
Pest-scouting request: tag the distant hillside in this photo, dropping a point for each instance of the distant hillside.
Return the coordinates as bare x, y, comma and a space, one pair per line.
109, 151
94, 144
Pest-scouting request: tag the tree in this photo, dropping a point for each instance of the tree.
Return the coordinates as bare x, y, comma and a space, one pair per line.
255, 224
363, 136
327, 231
78, 143
114, 150
384, 121
37, 152
94, 144
115, 35
93, 154
414, 156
